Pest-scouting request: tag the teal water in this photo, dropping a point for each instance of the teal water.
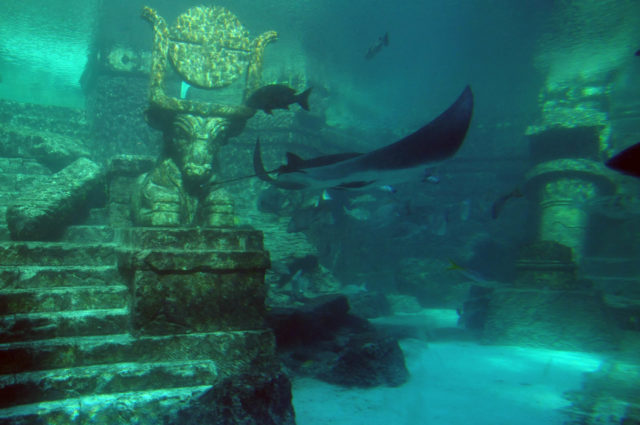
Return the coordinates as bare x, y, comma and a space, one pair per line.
533, 66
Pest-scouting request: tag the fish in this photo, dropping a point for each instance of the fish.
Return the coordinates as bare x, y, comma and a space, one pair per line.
277, 96
499, 204
388, 188
638, 52
626, 162
383, 41
397, 162
429, 176
472, 275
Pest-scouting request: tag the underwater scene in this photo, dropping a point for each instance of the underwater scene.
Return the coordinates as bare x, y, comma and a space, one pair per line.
319, 212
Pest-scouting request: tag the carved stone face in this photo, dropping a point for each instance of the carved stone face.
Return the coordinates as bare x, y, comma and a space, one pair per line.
194, 146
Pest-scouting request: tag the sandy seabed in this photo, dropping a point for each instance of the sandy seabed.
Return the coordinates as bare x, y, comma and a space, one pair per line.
455, 383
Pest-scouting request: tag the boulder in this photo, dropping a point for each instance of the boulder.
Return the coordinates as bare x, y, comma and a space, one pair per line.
369, 362
45, 209
260, 399
321, 339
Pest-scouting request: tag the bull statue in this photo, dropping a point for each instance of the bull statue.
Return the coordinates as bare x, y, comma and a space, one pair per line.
209, 49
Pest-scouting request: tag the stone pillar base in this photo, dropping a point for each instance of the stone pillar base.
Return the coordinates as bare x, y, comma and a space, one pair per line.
562, 320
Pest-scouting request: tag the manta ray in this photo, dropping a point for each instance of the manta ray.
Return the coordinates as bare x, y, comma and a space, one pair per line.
398, 162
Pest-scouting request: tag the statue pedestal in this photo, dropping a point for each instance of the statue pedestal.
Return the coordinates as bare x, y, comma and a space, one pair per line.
186, 280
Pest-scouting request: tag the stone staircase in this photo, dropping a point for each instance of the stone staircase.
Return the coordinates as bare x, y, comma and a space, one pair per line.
69, 350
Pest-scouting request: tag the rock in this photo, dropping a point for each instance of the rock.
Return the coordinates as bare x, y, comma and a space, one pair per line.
260, 399
372, 362
43, 211
321, 339
56, 151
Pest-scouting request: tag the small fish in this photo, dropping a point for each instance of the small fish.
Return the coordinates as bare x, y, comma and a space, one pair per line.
383, 41
638, 52
388, 188
627, 162
277, 96
324, 197
471, 275
499, 204
430, 177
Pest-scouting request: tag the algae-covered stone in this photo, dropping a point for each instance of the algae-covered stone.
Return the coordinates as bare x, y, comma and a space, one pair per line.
248, 399
559, 320
43, 211
53, 150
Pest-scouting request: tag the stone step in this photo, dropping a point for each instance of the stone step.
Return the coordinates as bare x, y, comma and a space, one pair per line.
26, 277
215, 239
137, 407
39, 326
56, 254
38, 300
59, 353
60, 384
89, 234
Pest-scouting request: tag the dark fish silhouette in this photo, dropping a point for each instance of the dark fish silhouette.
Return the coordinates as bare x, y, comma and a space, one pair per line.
277, 96
375, 49
638, 52
398, 162
499, 204
627, 161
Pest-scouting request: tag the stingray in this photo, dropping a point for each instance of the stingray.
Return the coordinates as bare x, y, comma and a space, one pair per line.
397, 162
627, 161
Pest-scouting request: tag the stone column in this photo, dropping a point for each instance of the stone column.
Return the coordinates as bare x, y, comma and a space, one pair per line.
562, 189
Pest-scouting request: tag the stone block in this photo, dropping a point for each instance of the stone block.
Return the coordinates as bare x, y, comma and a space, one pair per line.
46, 209
197, 301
